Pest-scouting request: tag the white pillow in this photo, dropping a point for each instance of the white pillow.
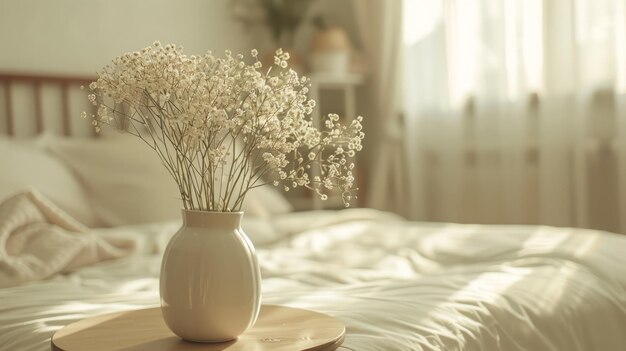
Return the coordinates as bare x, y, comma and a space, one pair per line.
25, 164
123, 178
266, 201
127, 183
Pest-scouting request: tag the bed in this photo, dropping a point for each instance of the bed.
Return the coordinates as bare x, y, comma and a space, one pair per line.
395, 284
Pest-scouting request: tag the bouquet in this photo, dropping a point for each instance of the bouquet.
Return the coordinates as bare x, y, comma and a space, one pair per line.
222, 125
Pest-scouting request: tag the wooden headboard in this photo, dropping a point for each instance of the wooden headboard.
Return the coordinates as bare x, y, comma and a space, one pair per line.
33, 103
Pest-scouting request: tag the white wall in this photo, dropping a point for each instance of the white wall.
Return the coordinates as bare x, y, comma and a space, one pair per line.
80, 36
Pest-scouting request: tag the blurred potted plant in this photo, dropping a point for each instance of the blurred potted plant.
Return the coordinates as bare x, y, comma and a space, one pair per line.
281, 17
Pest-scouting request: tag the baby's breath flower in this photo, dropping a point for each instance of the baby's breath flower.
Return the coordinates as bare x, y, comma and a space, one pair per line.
189, 109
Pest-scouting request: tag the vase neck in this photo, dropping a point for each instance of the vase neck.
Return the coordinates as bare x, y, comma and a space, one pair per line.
206, 219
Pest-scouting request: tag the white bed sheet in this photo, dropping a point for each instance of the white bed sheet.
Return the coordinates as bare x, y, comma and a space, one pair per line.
396, 285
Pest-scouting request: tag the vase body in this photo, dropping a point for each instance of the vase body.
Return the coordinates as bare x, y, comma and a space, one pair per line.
210, 279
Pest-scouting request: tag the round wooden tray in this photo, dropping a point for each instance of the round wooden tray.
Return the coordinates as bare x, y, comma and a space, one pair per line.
278, 328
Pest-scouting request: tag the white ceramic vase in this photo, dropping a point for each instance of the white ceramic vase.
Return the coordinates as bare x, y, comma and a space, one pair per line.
210, 278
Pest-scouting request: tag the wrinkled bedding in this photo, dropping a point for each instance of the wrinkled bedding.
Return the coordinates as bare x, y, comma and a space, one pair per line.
397, 285
38, 240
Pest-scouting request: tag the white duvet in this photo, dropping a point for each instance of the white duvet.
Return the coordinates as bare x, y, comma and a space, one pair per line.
396, 285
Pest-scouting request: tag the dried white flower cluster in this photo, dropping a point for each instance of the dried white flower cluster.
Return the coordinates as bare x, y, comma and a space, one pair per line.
222, 127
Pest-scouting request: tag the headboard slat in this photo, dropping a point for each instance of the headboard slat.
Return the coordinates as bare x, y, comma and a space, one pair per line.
9, 108
38, 107
65, 103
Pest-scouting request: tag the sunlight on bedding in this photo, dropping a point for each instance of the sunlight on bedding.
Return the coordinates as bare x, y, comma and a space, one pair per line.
587, 244
488, 287
343, 233
136, 285
545, 240
397, 285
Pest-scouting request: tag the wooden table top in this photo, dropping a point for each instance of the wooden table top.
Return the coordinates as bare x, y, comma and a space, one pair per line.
278, 328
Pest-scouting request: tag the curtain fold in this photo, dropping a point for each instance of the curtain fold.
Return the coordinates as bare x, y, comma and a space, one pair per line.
380, 26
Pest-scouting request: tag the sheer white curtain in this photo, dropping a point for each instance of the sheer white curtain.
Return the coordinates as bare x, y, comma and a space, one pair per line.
380, 26
515, 111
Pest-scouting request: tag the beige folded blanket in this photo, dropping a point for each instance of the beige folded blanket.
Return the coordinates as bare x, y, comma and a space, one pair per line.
38, 240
